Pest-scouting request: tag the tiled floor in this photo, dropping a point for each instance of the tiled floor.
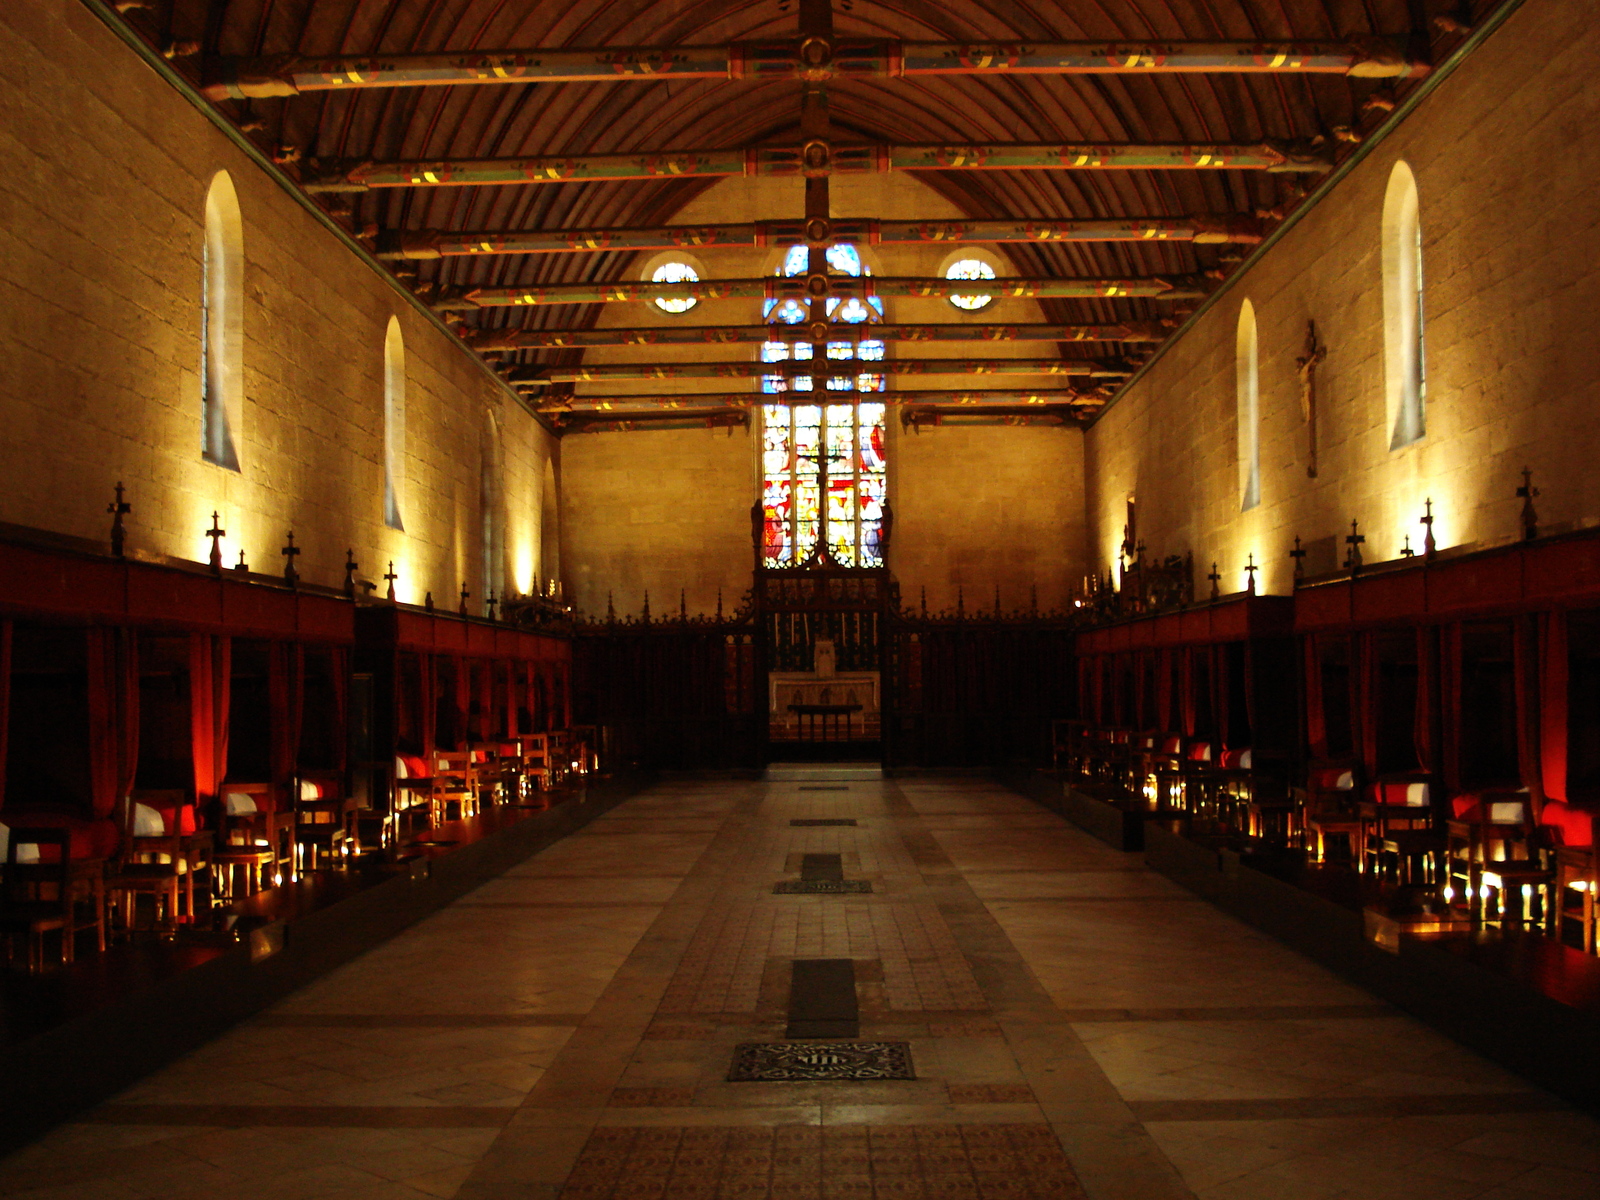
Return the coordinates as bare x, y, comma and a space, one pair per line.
1080, 1027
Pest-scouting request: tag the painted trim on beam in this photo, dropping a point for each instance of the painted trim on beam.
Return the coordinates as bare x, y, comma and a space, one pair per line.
1421, 92
184, 88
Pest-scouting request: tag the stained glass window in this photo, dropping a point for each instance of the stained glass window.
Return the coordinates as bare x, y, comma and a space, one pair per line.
824, 459
805, 445
675, 272
970, 268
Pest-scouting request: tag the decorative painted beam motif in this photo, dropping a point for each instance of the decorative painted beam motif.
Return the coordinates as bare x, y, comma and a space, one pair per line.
434, 243
812, 59
632, 422
833, 368
1031, 398
918, 419
695, 335
802, 287
820, 159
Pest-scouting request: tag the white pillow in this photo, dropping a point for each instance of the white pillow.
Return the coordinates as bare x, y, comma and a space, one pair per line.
1346, 781
1244, 760
1416, 795
239, 804
401, 771
1505, 812
25, 852
309, 790
147, 822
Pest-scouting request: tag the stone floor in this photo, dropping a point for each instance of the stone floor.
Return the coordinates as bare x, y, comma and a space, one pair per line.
1078, 1024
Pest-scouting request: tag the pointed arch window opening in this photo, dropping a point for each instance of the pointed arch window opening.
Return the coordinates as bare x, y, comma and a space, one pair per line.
824, 466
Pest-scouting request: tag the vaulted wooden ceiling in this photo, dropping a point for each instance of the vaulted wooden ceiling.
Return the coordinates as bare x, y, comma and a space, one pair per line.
524, 119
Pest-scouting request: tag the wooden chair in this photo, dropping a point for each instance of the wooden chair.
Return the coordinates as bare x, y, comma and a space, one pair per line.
254, 838
454, 783
410, 797
1573, 905
538, 765
1398, 825
1329, 815
1483, 827
164, 851
41, 892
324, 823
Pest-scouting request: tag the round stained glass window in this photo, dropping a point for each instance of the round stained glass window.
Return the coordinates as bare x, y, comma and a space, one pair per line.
675, 272
970, 268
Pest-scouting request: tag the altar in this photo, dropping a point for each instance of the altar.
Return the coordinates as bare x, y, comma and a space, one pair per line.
824, 704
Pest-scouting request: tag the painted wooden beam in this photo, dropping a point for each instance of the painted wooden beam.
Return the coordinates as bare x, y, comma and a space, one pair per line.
1031, 398
813, 59
695, 335
820, 159
809, 368
800, 288
436, 243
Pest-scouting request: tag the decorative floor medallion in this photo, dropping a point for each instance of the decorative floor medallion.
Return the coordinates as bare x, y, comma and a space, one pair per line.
808, 822
808, 1062
821, 887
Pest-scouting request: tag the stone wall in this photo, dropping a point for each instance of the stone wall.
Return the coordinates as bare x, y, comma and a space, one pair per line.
1506, 164
101, 221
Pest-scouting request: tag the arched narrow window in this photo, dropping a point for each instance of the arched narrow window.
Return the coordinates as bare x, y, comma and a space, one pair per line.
222, 325
394, 424
491, 508
1404, 362
549, 529
1247, 397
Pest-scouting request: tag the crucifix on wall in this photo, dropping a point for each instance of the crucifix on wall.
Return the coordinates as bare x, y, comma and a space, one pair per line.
1307, 364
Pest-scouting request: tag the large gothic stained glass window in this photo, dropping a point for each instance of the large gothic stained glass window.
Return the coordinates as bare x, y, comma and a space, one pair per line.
822, 458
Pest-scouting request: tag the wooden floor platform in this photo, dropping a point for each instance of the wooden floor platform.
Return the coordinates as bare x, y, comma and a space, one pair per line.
74, 1035
1519, 998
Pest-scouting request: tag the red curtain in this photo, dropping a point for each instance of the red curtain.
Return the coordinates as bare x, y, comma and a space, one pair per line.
1553, 675
485, 681
1186, 704
1164, 718
210, 692
1450, 706
463, 703
1220, 696
1316, 721
113, 656
5, 705
428, 706
563, 704
1524, 667
286, 700
514, 671
1365, 699
1427, 691
339, 665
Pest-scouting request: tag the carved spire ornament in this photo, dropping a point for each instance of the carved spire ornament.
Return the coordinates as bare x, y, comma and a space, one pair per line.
389, 578
1299, 556
1352, 556
290, 553
216, 533
1530, 517
1428, 544
118, 509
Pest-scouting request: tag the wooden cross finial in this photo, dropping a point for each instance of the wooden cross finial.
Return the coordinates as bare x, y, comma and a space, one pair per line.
1215, 578
464, 594
646, 614
1406, 551
1299, 556
427, 601
611, 610
683, 606
1530, 518
242, 567
390, 577
1427, 522
1250, 570
290, 553
719, 604
492, 603
350, 569
1352, 558
118, 508
216, 533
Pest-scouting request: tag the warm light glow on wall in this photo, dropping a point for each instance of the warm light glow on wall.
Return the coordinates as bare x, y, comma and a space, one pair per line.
522, 565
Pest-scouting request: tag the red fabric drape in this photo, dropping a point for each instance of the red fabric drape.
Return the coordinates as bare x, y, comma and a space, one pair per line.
1221, 697
428, 706
1186, 704
339, 665
463, 703
286, 700
485, 682
210, 694
1365, 700
1553, 676
1450, 706
113, 658
1427, 692
564, 694
514, 672
1164, 719
1524, 666
5, 705
1316, 720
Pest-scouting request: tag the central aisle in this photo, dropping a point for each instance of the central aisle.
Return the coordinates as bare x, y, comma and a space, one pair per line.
1078, 1026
